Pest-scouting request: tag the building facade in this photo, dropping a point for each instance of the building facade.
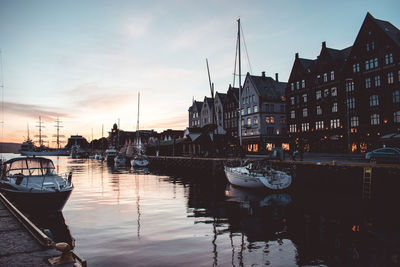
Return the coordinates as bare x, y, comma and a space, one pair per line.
195, 114
263, 113
207, 112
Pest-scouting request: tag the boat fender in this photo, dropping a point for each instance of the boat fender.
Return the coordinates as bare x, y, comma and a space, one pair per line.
70, 177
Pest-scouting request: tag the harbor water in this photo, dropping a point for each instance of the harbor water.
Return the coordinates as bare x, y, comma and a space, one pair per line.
126, 217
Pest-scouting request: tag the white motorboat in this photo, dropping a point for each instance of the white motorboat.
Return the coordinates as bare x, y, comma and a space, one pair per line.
254, 175
33, 184
111, 153
140, 161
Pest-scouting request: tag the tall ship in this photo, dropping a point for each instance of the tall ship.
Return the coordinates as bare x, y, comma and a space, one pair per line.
28, 147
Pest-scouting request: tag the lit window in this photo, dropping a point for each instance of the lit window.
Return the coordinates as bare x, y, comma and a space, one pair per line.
374, 119
396, 96
319, 110
248, 110
333, 91
354, 121
374, 100
248, 121
335, 123
255, 108
390, 78
292, 114
255, 121
292, 100
367, 82
319, 125
305, 127
318, 94
272, 119
377, 80
332, 75
396, 116
325, 77
334, 107
303, 84
292, 128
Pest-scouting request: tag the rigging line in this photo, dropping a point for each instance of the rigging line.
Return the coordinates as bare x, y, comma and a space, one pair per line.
234, 67
245, 48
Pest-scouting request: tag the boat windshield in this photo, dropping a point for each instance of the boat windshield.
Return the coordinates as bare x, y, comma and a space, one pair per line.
29, 166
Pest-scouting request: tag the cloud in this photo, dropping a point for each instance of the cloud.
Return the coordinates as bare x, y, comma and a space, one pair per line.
139, 26
47, 113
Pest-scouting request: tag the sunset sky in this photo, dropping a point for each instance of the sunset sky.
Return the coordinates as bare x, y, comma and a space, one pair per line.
85, 61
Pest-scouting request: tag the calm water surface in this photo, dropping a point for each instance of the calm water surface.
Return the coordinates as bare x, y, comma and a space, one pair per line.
119, 217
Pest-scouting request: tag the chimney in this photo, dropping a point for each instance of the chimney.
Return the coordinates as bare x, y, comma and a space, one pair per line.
323, 44
263, 74
276, 77
296, 56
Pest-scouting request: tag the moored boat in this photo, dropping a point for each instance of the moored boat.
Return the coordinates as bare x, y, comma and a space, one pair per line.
140, 161
258, 175
33, 184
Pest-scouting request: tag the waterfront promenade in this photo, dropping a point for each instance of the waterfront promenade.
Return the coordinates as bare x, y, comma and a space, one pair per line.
18, 247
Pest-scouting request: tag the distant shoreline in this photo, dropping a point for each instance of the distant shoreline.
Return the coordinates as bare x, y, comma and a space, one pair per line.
9, 147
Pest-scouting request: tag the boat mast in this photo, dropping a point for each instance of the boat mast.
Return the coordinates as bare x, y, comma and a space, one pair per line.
240, 88
58, 132
137, 123
102, 137
40, 126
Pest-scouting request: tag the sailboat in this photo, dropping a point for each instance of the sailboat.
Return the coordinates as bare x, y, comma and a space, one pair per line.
139, 159
254, 174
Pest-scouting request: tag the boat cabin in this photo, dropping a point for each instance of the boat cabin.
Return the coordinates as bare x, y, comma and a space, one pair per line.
36, 166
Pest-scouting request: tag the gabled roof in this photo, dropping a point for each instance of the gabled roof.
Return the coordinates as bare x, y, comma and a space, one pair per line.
308, 64
392, 31
267, 88
221, 96
209, 101
197, 104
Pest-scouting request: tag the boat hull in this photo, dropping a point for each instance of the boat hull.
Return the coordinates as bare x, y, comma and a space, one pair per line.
44, 153
49, 201
140, 163
242, 180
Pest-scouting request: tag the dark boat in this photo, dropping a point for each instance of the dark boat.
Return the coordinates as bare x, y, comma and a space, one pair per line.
32, 183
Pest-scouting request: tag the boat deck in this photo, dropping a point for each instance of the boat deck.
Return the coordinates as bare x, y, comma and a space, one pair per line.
18, 247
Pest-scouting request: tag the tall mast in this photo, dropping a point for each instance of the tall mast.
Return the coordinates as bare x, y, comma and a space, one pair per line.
102, 137
40, 126
137, 123
58, 126
240, 89
27, 128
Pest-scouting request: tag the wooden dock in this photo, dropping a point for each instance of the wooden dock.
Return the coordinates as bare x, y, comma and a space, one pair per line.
22, 244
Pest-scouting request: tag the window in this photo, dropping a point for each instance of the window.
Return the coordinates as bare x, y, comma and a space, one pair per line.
305, 126
292, 128
292, 100
255, 120
282, 108
351, 103
388, 58
396, 96
377, 80
303, 84
325, 77
319, 125
356, 67
335, 123
256, 108
349, 86
292, 114
390, 78
305, 112
318, 94
376, 62
367, 65
367, 82
396, 116
248, 110
277, 131
334, 107
354, 121
372, 45
282, 120
373, 100
272, 119
332, 75
271, 107
333, 91
319, 110
292, 87
248, 121
305, 98
270, 130
326, 92
297, 85
374, 119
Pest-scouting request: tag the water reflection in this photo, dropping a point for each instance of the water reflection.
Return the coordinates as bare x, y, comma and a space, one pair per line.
120, 216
